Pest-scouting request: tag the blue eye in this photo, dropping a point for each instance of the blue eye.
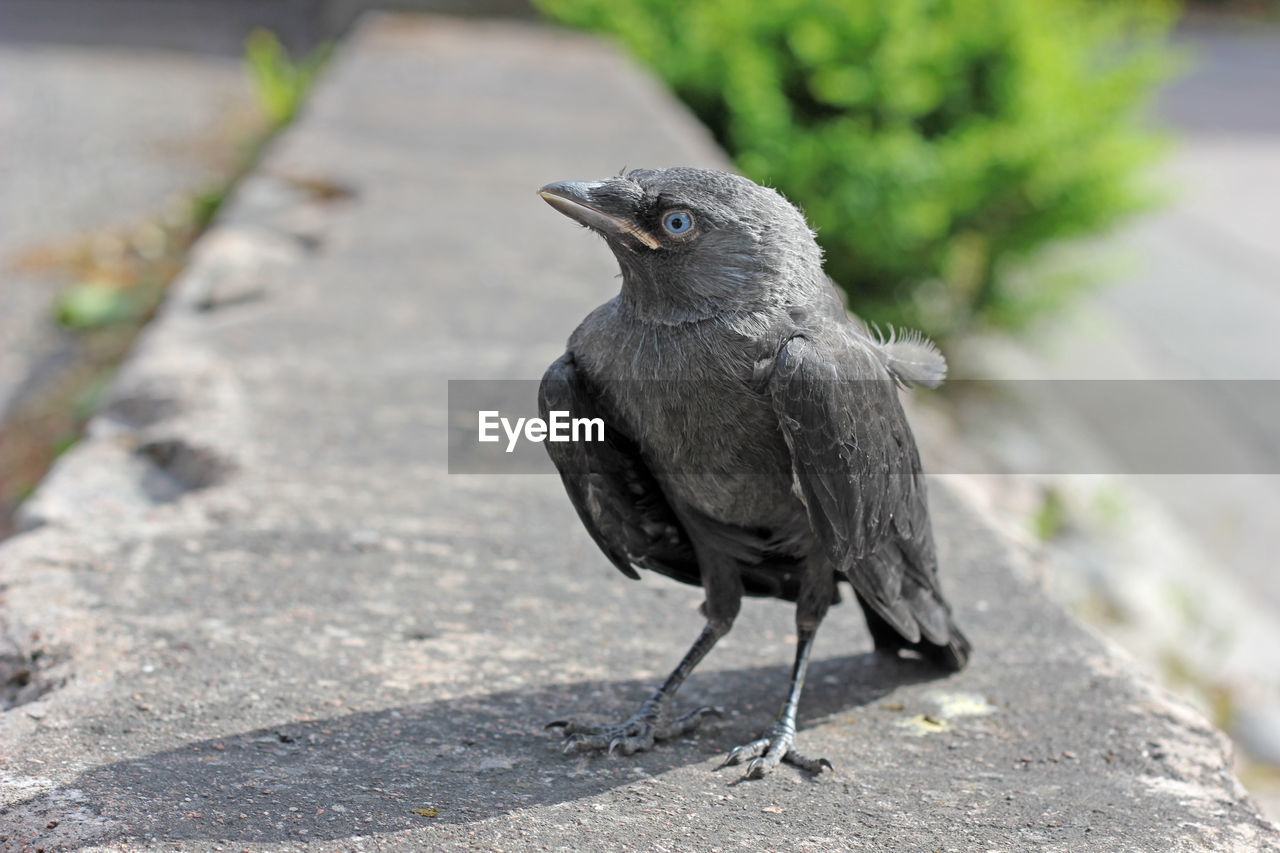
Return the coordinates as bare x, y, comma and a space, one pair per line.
677, 221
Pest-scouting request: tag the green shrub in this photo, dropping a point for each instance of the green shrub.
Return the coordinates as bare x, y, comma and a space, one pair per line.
930, 142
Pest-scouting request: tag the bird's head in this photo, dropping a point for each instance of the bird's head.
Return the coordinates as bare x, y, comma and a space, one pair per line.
695, 243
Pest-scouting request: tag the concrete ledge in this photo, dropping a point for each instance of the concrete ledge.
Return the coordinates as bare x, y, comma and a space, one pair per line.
256, 611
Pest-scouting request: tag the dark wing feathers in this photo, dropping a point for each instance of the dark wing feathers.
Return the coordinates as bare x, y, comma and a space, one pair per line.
616, 496
859, 474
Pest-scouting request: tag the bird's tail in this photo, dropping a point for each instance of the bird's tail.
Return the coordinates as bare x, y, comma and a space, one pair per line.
951, 655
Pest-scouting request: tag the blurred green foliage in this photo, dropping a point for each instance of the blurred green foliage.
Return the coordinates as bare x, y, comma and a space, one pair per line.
280, 84
90, 304
932, 143
1051, 518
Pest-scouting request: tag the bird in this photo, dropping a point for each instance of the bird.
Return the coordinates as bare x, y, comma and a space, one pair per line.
754, 440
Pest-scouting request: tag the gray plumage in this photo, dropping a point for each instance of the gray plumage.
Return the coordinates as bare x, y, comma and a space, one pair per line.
755, 440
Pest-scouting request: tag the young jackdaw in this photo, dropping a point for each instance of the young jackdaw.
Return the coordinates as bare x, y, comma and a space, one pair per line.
754, 440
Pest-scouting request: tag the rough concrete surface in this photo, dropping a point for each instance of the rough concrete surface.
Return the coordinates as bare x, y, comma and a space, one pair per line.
265, 617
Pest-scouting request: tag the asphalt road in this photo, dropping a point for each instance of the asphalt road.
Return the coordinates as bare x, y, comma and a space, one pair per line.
95, 141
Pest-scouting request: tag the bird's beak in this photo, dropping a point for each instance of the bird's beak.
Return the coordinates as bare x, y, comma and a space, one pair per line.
574, 200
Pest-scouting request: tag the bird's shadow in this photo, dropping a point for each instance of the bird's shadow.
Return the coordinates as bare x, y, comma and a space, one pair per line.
453, 760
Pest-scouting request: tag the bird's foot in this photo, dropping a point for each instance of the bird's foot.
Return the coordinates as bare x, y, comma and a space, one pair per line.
777, 745
636, 734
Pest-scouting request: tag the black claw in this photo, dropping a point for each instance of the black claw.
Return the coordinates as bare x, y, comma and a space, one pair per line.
636, 734
809, 765
734, 758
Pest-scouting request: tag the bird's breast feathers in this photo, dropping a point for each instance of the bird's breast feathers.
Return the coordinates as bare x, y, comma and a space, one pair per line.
702, 420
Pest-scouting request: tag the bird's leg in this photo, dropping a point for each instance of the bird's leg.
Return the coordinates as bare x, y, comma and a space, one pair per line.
650, 722
778, 743
817, 591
